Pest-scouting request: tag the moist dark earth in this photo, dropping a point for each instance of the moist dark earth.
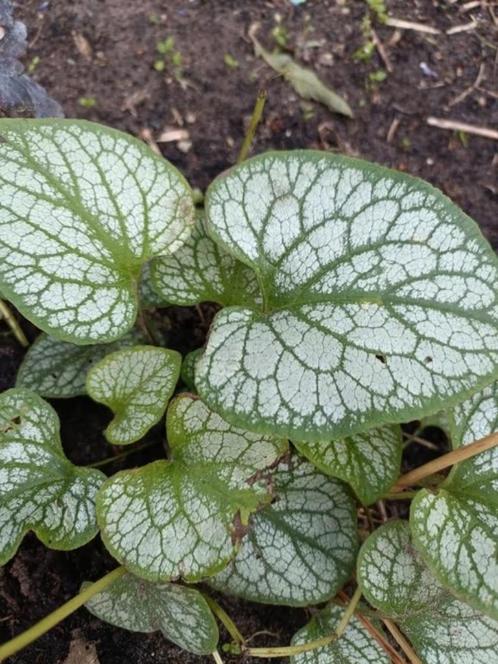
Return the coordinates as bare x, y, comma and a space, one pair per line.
98, 58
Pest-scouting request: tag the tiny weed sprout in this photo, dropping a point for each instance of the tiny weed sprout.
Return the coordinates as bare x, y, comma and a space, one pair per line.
351, 300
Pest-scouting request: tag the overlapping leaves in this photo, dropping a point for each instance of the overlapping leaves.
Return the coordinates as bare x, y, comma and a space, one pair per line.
379, 298
441, 628
201, 271
185, 517
136, 383
82, 208
354, 646
181, 614
370, 462
456, 528
301, 549
40, 489
57, 369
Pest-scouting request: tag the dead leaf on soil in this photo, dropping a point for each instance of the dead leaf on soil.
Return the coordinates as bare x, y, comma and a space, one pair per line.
304, 81
81, 651
83, 45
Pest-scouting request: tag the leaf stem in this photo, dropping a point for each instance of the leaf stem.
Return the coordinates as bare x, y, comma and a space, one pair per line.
22, 640
122, 455
11, 321
146, 328
400, 495
288, 651
449, 459
402, 642
217, 657
253, 125
225, 619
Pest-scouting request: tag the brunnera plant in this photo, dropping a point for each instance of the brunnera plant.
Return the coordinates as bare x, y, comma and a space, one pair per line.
352, 299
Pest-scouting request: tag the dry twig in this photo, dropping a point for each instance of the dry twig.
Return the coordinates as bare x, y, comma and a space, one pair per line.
455, 125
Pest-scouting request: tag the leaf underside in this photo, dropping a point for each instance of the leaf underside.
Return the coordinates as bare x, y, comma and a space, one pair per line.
441, 628
82, 208
370, 461
136, 383
40, 489
57, 369
185, 517
181, 614
380, 298
354, 647
301, 549
456, 528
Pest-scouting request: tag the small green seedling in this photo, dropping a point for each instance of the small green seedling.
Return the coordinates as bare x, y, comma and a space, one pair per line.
351, 299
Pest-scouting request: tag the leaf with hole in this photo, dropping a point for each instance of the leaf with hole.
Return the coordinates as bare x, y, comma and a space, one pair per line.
456, 527
370, 462
201, 271
299, 550
82, 208
355, 646
181, 614
441, 628
380, 298
136, 383
185, 517
57, 369
40, 489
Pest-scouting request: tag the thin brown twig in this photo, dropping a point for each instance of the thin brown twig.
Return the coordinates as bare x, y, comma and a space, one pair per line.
411, 25
463, 95
455, 125
402, 642
382, 51
414, 477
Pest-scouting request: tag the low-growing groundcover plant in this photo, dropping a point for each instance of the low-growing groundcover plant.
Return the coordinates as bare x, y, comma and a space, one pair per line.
353, 299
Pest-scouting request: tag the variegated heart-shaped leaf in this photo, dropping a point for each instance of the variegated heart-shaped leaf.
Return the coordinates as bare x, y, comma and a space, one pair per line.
82, 208
136, 383
442, 629
301, 549
355, 646
188, 368
456, 527
181, 614
370, 462
57, 369
40, 489
379, 298
185, 517
201, 271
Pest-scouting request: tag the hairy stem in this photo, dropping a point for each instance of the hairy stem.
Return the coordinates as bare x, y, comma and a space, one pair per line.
11, 321
22, 640
402, 642
451, 458
253, 125
288, 651
224, 619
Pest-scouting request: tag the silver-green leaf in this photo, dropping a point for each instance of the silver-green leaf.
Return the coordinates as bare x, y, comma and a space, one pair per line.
301, 549
380, 298
82, 208
40, 489
370, 462
181, 614
202, 272
355, 646
136, 383
185, 517
441, 628
57, 369
456, 527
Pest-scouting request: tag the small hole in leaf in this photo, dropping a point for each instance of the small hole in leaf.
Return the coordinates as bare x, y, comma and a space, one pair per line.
428, 360
381, 358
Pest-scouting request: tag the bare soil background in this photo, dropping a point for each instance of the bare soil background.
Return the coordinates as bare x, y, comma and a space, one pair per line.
97, 58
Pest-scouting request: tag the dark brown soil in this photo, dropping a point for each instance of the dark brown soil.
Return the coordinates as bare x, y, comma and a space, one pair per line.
105, 50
